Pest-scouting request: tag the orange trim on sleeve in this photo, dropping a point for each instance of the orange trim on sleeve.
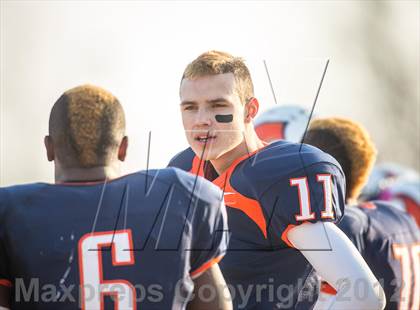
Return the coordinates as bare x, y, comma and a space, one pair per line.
284, 235
205, 266
6, 282
327, 289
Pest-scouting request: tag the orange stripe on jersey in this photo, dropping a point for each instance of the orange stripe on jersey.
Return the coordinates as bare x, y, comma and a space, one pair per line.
328, 289
197, 167
205, 266
232, 197
284, 235
250, 207
5, 282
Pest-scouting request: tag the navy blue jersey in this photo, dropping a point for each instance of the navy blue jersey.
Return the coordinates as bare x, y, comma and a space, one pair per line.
267, 193
389, 241
136, 241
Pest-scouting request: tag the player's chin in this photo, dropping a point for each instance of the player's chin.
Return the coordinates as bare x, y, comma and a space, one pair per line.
205, 154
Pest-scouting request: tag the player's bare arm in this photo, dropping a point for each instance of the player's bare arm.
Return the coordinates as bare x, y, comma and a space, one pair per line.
212, 279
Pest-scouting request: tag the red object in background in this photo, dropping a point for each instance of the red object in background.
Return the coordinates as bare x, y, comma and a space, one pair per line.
270, 131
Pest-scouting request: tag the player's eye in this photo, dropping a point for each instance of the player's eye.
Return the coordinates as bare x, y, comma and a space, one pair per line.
219, 105
189, 108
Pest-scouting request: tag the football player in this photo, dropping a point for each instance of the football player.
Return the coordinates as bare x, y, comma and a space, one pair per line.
282, 199
387, 237
98, 240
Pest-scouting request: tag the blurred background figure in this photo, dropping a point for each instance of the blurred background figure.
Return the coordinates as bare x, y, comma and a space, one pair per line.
396, 183
287, 122
387, 238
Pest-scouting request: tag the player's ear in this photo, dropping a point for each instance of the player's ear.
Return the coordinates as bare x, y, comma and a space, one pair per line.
49, 147
122, 150
251, 109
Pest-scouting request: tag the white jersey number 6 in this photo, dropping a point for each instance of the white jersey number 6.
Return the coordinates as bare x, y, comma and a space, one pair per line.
93, 285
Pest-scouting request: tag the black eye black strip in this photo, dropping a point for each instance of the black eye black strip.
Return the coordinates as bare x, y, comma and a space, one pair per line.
224, 118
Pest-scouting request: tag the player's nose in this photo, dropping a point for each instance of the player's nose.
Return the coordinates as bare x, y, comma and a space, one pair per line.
203, 118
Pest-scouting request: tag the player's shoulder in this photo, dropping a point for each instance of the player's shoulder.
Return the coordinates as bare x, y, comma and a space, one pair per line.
11, 196
382, 211
386, 218
183, 159
286, 153
19, 191
282, 160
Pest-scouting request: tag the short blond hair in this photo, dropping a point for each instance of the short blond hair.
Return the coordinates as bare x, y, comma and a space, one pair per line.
350, 143
86, 125
217, 62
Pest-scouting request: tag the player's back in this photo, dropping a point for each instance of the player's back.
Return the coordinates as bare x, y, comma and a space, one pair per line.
84, 243
389, 241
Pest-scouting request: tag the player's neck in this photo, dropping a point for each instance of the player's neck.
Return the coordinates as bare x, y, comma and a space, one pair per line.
250, 144
69, 175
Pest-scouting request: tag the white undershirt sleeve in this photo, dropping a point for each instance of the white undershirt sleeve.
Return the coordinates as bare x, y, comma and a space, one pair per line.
337, 261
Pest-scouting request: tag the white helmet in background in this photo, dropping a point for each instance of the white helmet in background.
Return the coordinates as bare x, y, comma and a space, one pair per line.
396, 183
286, 122
386, 176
